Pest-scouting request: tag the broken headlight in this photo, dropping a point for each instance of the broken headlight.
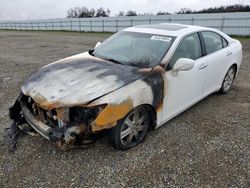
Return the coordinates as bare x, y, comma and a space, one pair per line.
85, 114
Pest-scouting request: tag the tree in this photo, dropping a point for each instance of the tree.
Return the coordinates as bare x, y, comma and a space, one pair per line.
185, 11
146, 14
84, 12
131, 13
72, 13
102, 13
108, 12
92, 12
78, 12
121, 13
230, 8
162, 13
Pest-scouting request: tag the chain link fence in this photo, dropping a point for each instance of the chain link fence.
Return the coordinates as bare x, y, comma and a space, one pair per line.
230, 23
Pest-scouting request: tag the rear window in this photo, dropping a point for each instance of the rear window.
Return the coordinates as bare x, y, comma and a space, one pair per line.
224, 42
213, 42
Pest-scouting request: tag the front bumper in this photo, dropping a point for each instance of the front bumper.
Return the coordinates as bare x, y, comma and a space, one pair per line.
67, 136
47, 132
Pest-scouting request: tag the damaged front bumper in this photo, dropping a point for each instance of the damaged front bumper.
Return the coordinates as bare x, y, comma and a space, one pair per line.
65, 127
47, 132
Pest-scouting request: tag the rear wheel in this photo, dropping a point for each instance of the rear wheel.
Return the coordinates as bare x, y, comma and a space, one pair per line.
131, 130
228, 80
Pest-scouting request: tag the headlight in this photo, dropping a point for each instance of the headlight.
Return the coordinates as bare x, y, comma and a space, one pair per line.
85, 114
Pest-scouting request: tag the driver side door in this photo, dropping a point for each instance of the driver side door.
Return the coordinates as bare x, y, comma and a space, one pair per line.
184, 88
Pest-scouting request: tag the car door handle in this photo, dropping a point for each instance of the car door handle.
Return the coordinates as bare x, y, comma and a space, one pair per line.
203, 66
229, 53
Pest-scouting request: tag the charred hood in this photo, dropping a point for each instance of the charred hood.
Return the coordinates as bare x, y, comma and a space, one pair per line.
77, 80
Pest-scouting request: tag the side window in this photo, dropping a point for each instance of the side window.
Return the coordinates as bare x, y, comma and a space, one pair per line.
189, 47
213, 41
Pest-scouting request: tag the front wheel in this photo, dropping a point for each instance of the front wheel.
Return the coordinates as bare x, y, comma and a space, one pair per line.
228, 80
131, 130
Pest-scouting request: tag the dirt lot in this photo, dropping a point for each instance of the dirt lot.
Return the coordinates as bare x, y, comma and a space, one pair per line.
206, 146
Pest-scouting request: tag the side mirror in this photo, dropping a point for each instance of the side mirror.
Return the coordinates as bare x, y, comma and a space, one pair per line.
183, 64
97, 45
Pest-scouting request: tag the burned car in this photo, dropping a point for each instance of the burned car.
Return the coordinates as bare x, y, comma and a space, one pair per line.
137, 79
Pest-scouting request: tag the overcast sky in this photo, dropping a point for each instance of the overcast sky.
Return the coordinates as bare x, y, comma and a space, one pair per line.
42, 9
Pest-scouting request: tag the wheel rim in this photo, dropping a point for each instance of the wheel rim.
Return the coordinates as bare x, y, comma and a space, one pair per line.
229, 78
134, 128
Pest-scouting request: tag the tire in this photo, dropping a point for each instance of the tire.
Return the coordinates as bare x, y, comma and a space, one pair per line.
228, 80
131, 130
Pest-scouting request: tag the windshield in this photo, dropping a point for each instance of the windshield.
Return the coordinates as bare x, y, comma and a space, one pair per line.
135, 49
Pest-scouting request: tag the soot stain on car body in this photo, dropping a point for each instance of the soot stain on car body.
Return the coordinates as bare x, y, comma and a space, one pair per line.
81, 95
77, 80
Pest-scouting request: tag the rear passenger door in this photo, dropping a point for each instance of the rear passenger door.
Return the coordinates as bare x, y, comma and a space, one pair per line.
217, 57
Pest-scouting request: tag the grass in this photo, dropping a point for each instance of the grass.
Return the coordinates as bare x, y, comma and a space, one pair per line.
60, 32
238, 37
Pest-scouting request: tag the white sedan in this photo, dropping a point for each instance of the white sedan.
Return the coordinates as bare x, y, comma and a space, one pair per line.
137, 79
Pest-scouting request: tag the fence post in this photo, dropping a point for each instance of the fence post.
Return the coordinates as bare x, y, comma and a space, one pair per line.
52, 24
192, 21
222, 23
131, 22
80, 25
90, 25
61, 25
103, 26
31, 25
169, 20
38, 28
116, 25
149, 21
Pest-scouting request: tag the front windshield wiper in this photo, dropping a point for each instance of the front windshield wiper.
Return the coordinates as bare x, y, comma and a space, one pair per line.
91, 52
112, 60
104, 58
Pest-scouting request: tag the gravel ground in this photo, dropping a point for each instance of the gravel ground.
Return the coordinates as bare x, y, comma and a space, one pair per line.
206, 146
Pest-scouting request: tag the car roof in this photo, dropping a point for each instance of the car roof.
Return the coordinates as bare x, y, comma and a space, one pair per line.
177, 30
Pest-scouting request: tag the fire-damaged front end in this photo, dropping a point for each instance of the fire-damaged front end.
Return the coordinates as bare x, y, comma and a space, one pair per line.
64, 126
70, 100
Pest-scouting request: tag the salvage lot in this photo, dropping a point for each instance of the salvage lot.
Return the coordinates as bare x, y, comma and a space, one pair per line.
206, 146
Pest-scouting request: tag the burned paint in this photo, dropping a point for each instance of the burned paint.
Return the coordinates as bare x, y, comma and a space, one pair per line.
77, 80
81, 95
155, 80
113, 112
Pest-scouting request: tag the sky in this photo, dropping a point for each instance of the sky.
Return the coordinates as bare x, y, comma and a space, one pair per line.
48, 9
